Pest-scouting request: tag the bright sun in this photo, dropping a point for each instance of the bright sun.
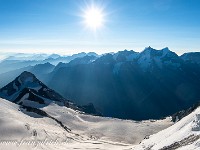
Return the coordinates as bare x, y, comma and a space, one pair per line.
94, 18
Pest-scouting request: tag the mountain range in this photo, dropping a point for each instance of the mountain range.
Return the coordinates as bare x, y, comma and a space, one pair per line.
127, 84
20, 60
46, 103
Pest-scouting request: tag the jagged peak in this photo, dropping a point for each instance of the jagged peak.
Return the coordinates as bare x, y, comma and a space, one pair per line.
24, 80
26, 74
27, 77
127, 51
128, 55
165, 49
92, 54
148, 49
44, 64
163, 52
54, 56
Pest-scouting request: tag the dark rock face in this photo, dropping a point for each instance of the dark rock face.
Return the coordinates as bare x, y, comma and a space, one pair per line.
181, 114
186, 141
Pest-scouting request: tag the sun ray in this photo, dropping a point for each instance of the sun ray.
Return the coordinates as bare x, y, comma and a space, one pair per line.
93, 17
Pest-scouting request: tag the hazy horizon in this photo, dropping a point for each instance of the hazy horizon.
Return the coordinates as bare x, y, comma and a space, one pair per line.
76, 52
11, 53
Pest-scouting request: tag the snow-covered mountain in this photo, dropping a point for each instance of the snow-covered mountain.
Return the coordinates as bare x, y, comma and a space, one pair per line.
26, 90
183, 135
146, 59
157, 81
40, 70
151, 57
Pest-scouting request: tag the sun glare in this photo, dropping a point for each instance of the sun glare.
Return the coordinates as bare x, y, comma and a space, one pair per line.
94, 18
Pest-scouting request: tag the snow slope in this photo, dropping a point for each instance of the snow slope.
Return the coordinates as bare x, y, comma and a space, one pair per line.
59, 127
183, 135
125, 131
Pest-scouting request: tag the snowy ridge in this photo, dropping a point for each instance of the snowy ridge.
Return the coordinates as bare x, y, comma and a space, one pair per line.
27, 83
158, 57
27, 90
184, 134
148, 58
125, 55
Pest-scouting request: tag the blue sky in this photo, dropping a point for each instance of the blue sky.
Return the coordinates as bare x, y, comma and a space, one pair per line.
57, 26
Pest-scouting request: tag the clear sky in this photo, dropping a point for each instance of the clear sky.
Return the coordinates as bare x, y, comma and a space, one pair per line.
59, 26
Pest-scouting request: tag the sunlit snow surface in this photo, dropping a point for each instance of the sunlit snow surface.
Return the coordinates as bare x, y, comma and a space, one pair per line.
186, 133
27, 130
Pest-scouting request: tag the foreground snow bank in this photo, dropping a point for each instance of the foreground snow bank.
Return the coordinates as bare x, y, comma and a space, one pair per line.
185, 134
21, 129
